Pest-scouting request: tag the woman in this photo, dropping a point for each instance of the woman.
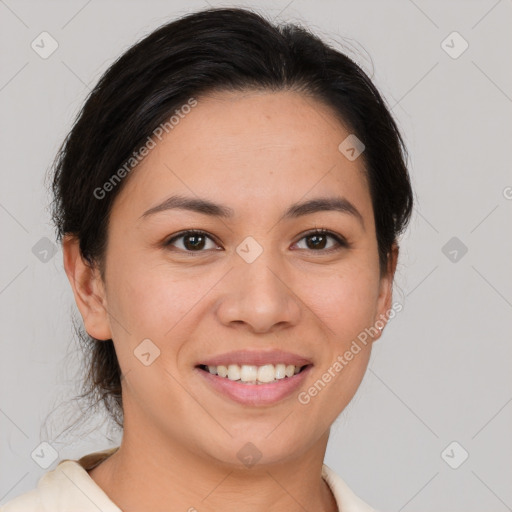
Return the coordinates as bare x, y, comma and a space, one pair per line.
229, 203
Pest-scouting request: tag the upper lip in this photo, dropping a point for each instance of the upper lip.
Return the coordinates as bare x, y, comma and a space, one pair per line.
256, 358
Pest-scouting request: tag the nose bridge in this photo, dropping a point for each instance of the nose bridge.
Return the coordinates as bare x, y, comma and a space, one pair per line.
258, 295
257, 276
260, 277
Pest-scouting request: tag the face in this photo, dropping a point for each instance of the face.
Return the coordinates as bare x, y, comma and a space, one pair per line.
254, 286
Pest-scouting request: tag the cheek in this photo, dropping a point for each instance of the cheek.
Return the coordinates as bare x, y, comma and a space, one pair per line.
149, 299
346, 301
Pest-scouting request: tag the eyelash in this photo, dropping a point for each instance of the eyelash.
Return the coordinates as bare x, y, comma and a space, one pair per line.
342, 243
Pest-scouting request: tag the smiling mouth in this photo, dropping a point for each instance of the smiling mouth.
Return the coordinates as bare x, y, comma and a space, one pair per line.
252, 374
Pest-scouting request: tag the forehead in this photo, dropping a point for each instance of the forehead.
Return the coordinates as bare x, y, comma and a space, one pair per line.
251, 150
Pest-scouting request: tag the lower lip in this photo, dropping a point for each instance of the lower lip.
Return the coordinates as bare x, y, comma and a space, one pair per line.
256, 394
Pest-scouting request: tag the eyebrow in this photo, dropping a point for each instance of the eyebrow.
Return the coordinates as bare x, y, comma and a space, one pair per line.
207, 207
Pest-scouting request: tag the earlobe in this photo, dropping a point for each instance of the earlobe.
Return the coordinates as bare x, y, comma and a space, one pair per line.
88, 290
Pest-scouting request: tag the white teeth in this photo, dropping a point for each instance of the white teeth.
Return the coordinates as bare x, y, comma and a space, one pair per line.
290, 370
248, 373
233, 372
266, 373
222, 371
280, 371
255, 374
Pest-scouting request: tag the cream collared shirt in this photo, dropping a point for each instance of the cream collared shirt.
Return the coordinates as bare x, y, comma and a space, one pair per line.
69, 488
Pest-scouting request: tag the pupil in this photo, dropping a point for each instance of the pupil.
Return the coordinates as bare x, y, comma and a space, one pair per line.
196, 244
317, 237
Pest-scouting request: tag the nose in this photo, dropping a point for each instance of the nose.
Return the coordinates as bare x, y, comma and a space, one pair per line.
258, 296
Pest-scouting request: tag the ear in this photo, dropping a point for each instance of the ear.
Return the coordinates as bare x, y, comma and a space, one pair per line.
386, 291
88, 290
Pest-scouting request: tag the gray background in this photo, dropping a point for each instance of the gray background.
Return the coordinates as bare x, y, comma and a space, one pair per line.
441, 371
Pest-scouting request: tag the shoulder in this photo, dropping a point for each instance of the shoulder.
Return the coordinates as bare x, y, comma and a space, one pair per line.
67, 487
28, 502
346, 499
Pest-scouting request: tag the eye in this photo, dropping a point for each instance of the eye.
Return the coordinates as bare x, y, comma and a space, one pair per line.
317, 240
194, 240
